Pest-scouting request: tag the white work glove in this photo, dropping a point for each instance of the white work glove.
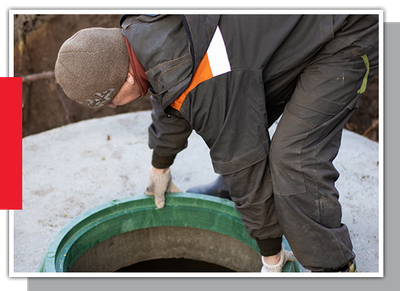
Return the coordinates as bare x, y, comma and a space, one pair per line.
284, 257
157, 185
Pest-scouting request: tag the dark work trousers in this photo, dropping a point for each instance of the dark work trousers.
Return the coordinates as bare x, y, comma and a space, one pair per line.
292, 191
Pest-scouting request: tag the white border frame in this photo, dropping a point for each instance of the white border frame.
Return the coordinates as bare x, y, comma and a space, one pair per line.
214, 11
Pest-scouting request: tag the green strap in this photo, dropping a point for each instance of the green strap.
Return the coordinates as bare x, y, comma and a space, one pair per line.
364, 83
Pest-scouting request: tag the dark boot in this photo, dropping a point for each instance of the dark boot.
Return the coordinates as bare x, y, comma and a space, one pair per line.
217, 188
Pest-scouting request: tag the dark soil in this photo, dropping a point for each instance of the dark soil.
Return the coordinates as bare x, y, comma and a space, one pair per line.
37, 39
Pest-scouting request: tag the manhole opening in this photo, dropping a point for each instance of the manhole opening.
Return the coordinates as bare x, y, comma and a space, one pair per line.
174, 265
168, 249
194, 233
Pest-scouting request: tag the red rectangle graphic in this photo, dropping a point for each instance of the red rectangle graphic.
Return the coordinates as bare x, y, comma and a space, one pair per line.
11, 143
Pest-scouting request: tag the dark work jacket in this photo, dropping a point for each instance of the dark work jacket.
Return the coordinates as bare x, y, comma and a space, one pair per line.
228, 111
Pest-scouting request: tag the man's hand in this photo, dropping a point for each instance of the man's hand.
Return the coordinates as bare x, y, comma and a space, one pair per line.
160, 181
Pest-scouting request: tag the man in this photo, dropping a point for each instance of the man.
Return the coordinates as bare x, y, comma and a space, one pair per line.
229, 77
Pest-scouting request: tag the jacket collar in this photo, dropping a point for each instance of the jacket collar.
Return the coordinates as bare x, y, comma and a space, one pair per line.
138, 70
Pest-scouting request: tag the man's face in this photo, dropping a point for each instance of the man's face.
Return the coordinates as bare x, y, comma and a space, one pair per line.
129, 92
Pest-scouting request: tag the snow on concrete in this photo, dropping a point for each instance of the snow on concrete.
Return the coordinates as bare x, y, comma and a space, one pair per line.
71, 169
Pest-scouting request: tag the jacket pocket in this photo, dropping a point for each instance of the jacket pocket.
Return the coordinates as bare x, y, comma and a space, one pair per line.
231, 118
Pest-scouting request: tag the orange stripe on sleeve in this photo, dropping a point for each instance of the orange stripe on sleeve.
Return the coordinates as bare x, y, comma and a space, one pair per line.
203, 73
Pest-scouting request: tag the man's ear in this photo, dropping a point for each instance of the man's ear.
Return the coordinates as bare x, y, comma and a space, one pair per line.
130, 79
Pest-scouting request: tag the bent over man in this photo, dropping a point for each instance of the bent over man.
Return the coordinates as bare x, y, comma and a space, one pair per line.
229, 77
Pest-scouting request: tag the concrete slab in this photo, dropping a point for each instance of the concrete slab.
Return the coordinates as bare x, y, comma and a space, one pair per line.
69, 170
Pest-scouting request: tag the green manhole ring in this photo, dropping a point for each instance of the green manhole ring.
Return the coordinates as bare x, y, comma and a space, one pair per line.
130, 230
